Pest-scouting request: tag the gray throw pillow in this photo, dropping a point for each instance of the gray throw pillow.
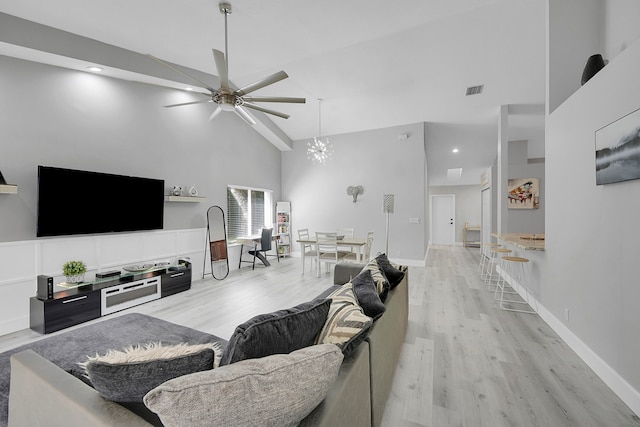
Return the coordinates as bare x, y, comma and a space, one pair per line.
126, 376
280, 332
379, 278
367, 294
393, 274
277, 390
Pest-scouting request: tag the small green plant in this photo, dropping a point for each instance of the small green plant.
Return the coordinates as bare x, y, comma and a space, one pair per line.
73, 268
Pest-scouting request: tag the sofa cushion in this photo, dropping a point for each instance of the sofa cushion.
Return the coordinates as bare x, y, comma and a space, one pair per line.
278, 390
126, 376
367, 295
393, 274
347, 325
280, 332
381, 281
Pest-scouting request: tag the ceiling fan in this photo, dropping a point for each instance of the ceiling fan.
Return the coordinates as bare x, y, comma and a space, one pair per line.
236, 100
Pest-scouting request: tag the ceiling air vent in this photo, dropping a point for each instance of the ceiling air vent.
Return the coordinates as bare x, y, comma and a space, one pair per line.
474, 90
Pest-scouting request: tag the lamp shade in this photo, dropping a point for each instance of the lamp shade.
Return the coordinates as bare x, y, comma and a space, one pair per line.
594, 64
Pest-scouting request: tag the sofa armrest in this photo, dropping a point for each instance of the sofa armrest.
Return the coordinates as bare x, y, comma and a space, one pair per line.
42, 393
345, 271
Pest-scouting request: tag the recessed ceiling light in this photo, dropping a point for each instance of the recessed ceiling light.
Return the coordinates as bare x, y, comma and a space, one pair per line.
94, 68
455, 150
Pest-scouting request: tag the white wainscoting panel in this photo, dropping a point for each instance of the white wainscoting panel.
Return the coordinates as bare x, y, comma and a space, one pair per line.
23, 261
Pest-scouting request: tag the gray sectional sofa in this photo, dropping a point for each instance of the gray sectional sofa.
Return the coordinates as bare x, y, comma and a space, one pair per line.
43, 393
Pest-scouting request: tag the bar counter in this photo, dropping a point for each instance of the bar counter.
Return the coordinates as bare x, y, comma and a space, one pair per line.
533, 242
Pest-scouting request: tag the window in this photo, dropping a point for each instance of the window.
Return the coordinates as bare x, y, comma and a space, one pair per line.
248, 211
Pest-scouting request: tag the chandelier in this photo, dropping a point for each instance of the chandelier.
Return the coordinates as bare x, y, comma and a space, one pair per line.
320, 149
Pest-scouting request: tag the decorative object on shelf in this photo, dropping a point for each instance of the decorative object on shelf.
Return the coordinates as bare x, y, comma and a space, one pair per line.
354, 191
387, 208
618, 150
74, 270
594, 64
283, 218
225, 96
193, 191
321, 149
137, 268
177, 190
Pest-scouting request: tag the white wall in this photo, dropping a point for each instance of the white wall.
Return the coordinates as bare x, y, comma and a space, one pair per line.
382, 164
621, 25
592, 233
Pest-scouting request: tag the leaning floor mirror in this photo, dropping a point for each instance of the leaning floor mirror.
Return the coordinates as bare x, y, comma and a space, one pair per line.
216, 244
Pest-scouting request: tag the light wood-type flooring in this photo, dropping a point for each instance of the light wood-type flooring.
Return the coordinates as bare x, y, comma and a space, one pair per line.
464, 362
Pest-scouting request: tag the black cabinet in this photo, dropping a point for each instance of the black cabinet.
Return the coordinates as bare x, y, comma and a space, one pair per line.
74, 306
174, 281
52, 315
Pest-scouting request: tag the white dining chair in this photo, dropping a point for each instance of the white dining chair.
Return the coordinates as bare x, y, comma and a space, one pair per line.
327, 250
308, 249
353, 256
348, 233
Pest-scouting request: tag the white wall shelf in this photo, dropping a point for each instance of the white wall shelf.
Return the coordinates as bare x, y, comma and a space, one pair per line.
8, 189
192, 199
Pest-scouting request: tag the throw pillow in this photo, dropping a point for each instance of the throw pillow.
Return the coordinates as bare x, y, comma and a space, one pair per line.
277, 390
367, 295
382, 284
280, 332
392, 273
126, 376
347, 325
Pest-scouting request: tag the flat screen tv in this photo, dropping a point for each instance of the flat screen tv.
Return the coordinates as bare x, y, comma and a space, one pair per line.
82, 202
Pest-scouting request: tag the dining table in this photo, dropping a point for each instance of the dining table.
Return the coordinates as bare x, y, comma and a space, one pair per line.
347, 242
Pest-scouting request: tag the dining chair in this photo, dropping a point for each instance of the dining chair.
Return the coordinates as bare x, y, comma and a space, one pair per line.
309, 251
353, 256
327, 250
266, 238
348, 233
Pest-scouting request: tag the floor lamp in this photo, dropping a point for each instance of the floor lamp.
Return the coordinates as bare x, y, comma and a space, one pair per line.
387, 207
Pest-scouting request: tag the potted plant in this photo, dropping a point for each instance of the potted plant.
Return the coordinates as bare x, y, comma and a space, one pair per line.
74, 270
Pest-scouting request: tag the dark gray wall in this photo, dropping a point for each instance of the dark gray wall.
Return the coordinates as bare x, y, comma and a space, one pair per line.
65, 118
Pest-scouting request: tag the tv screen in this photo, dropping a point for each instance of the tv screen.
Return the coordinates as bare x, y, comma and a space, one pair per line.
82, 202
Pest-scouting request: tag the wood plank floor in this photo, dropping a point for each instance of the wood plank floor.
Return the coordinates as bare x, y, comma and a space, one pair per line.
464, 362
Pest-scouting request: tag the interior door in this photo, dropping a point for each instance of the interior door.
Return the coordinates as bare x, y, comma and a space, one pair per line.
443, 224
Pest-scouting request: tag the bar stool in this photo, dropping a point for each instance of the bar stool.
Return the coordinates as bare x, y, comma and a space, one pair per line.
482, 266
514, 268
491, 271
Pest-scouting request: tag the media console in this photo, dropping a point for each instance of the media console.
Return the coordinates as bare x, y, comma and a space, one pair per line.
105, 296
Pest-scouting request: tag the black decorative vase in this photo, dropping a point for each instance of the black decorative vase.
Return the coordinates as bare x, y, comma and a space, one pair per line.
595, 63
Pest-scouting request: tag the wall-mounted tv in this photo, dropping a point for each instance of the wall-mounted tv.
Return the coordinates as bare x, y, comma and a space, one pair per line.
82, 202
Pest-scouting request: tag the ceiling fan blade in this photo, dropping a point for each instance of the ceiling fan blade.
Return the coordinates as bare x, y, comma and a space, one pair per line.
245, 116
273, 78
274, 99
265, 110
223, 69
177, 70
215, 113
188, 103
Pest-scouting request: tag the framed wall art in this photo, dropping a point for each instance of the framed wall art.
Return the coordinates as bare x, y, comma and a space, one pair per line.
523, 193
618, 150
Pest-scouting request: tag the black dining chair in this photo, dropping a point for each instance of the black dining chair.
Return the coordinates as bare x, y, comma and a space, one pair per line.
266, 239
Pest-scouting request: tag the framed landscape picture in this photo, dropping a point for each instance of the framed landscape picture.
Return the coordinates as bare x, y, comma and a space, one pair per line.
618, 150
523, 193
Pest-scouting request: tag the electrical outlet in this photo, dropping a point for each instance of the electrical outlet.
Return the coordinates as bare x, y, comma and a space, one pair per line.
414, 220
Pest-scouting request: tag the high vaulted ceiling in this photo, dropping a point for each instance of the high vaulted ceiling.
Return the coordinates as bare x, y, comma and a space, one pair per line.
375, 63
